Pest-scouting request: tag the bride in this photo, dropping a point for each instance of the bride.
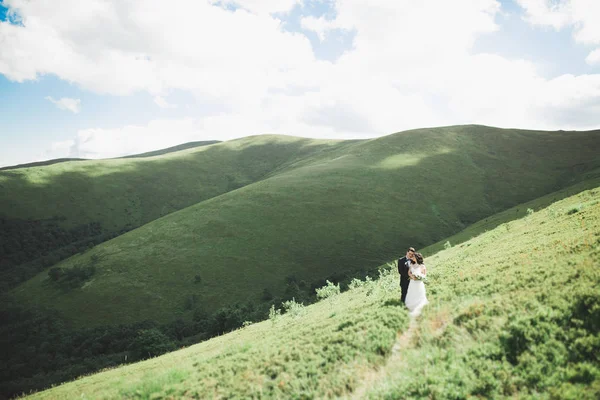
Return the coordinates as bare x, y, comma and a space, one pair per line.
416, 298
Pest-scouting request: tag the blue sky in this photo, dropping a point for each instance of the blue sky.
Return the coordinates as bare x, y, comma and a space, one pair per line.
137, 109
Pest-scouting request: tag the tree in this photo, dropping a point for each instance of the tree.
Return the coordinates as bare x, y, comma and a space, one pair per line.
151, 343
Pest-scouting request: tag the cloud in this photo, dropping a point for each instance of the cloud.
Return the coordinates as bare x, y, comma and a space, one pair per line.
594, 57
261, 6
318, 25
410, 64
129, 139
66, 103
162, 103
582, 15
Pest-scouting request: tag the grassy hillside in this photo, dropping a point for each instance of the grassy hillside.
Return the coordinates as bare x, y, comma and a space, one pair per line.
132, 191
184, 146
51, 212
41, 163
514, 312
520, 211
329, 214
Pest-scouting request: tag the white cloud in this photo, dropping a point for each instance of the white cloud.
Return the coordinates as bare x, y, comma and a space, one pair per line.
411, 64
261, 6
130, 139
594, 57
543, 12
162, 103
318, 25
582, 15
66, 103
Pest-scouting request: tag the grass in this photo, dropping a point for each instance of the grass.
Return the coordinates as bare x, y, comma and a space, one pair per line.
513, 313
300, 355
129, 192
318, 210
517, 212
42, 206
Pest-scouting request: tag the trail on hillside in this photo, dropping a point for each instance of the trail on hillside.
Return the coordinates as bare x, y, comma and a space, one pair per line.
370, 379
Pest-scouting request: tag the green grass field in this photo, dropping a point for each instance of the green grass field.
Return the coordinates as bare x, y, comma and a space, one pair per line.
514, 313
316, 209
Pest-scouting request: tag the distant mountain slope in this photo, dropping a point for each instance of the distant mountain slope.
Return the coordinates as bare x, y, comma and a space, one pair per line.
50, 212
513, 313
184, 146
172, 149
327, 214
41, 163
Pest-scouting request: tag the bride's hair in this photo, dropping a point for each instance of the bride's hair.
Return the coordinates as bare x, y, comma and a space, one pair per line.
419, 258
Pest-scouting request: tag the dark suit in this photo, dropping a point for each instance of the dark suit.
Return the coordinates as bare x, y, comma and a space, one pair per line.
404, 278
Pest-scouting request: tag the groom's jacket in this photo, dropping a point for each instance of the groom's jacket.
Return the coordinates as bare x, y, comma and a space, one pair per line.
402, 268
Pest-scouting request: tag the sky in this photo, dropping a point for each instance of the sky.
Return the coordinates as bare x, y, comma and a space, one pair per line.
107, 78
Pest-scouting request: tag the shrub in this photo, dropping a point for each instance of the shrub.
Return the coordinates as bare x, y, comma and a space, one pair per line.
573, 210
151, 343
226, 319
356, 283
274, 314
293, 308
328, 291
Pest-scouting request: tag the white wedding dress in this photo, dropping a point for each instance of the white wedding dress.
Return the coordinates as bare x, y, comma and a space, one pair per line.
416, 298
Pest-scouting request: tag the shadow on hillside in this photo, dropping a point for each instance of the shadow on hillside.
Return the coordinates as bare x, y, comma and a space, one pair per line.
487, 171
123, 194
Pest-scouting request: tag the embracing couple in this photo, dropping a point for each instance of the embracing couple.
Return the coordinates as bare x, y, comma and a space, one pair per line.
412, 272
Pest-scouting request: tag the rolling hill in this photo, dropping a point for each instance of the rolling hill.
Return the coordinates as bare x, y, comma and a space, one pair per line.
172, 149
307, 211
514, 313
51, 212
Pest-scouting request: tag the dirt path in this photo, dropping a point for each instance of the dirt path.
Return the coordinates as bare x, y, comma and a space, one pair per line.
403, 341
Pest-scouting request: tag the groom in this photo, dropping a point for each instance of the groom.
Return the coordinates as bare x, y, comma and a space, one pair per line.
403, 265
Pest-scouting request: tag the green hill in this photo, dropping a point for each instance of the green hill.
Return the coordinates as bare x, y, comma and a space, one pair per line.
173, 149
41, 163
325, 215
514, 312
49, 213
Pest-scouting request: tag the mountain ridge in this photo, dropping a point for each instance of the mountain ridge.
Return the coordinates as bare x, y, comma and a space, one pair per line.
315, 213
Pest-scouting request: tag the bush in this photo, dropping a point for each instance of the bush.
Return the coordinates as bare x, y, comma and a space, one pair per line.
328, 291
356, 283
573, 210
293, 308
274, 314
226, 319
151, 343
